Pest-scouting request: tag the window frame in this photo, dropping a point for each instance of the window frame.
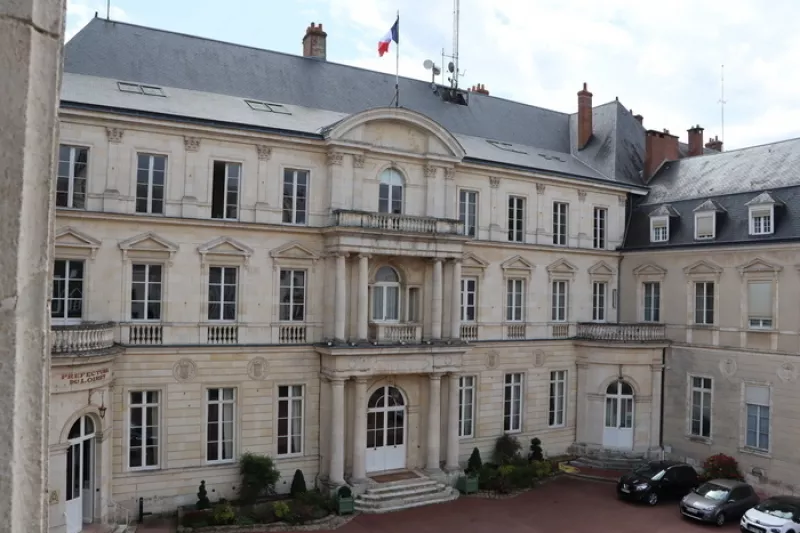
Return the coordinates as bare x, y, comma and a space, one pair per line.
516, 226
554, 304
162, 282
294, 211
510, 429
654, 310
745, 418
73, 160
600, 228
383, 286
150, 185
761, 323
703, 391
289, 413
761, 211
464, 216
599, 295
560, 221
462, 408
390, 199
225, 191
465, 280
130, 405
709, 303
292, 270
658, 220
222, 302
221, 401
66, 320
701, 215
515, 304
552, 408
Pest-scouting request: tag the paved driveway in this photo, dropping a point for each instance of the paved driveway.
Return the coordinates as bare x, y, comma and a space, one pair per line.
564, 505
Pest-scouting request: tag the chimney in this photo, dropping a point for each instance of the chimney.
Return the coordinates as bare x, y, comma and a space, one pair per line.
659, 147
714, 144
314, 42
584, 117
695, 140
480, 89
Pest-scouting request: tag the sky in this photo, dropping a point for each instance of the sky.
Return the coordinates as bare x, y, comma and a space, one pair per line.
665, 64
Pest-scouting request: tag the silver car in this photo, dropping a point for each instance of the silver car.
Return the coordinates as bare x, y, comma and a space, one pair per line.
719, 501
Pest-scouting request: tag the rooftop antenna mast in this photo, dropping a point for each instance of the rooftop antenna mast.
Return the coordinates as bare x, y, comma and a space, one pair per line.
108, 9
456, 17
722, 101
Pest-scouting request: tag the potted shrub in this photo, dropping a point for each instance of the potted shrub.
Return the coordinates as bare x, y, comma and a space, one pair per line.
469, 482
345, 503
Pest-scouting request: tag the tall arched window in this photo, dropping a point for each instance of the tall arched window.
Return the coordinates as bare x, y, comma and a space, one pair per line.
386, 295
390, 195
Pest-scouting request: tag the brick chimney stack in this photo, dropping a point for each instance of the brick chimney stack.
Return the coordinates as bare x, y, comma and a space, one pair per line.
714, 144
584, 117
695, 141
659, 147
314, 42
480, 88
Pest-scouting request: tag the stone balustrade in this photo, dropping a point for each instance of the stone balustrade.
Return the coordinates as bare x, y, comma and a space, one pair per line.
397, 222
641, 332
392, 333
81, 338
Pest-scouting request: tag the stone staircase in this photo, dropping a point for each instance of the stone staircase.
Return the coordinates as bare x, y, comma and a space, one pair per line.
606, 459
405, 494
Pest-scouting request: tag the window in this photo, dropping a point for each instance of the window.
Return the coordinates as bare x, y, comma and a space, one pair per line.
225, 190
512, 404
222, 293
559, 303
293, 295
146, 292
390, 192
469, 299
468, 211
558, 398
704, 302
386, 295
143, 429
704, 225
761, 220
759, 304
700, 422
516, 219
295, 196
599, 234
599, 292
413, 304
290, 419
515, 300
659, 229
148, 90
71, 178
268, 107
220, 424
757, 400
67, 302
466, 406
150, 179
652, 301
560, 218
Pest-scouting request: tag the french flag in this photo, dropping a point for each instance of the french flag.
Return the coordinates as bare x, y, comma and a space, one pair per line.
391, 35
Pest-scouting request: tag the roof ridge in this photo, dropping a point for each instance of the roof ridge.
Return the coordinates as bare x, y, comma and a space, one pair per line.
743, 148
721, 195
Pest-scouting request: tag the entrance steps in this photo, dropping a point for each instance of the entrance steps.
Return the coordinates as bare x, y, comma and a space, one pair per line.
609, 459
405, 494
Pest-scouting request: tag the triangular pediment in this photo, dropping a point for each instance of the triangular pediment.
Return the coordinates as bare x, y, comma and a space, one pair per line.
470, 260
709, 206
764, 198
293, 250
225, 246
649, 269
69, 237
148, 242
562, 266
601, 268
758, 265
665, 210
516, 263
703, 267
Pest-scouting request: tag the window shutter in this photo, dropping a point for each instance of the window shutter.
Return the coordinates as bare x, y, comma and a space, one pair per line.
705, 225
760, 299
756, 394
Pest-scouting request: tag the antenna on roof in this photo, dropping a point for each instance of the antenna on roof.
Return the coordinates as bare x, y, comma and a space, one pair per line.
435, 70
452, 66
722, 101
108, 9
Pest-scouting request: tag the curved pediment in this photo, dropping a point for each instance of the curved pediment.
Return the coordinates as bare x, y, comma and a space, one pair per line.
396, 130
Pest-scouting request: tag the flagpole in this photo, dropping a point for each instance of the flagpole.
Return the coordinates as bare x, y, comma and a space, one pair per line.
397, 65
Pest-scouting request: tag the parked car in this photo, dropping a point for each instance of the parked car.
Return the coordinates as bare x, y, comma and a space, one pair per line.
658, 480
779, 514
719, 501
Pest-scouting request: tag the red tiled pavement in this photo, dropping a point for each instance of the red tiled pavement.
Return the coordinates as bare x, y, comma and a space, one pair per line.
564, 505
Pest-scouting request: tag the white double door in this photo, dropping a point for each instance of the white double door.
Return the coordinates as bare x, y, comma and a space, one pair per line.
79, 496
386, 430
619, 409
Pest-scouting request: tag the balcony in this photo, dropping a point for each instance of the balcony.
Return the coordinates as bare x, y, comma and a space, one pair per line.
88, 338
399, 223
395, 333
622, 332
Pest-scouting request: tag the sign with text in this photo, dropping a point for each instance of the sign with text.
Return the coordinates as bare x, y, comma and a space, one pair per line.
87, 377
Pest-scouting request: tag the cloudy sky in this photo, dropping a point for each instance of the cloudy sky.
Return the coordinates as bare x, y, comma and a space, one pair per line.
664, 63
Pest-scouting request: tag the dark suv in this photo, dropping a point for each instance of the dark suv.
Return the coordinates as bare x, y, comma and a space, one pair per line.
658, 480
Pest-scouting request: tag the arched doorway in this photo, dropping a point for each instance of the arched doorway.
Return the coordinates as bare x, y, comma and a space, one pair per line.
79, 496
386, 430
618, 430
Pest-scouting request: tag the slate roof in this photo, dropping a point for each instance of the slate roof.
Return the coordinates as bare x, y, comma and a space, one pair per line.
126, 52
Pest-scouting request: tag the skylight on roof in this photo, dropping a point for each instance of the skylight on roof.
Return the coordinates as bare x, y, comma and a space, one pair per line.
507, 147
149, 90
267, 107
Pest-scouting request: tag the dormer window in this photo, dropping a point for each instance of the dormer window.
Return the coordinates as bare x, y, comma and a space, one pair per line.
659, 229
761, 210
705, 220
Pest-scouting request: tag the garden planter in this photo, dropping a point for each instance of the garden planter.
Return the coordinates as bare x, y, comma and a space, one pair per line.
467, 484
345, 505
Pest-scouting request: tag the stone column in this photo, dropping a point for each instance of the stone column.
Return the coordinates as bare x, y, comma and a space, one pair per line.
436, 302
434, 421
360, 432
341, 298
363, 296
31, 43
336, 471
455, 302
452, 424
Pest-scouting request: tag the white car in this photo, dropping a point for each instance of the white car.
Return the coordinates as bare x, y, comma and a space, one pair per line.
779, 514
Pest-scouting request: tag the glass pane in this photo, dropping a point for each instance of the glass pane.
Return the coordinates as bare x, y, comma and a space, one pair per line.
611, 412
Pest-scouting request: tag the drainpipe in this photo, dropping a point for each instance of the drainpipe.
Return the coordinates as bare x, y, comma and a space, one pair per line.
661, 417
